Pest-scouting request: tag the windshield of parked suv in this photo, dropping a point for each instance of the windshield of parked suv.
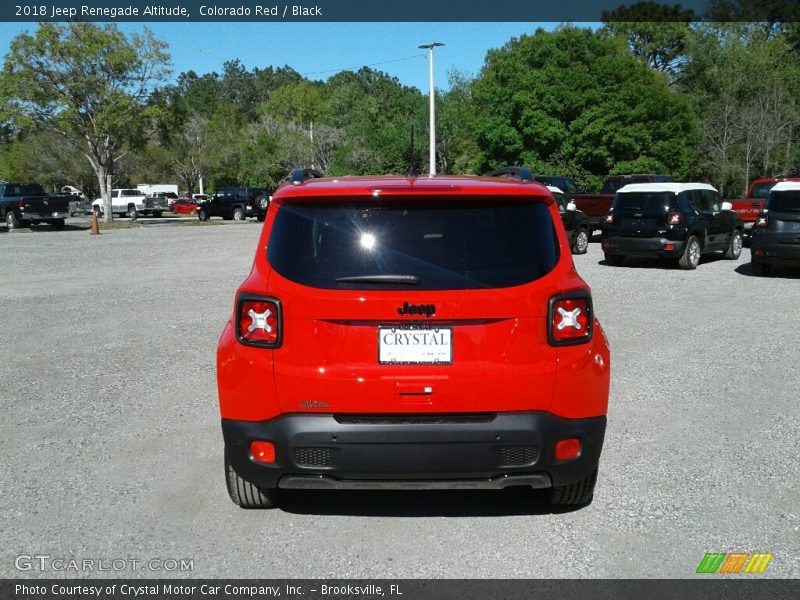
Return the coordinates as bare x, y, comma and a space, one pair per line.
787, 201
644, 202
417, 245
761, 190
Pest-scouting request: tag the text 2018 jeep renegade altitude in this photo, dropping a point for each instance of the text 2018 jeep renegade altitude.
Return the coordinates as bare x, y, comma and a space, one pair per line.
412, 333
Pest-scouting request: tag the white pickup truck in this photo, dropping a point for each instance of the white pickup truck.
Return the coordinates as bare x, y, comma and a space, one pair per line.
132, 203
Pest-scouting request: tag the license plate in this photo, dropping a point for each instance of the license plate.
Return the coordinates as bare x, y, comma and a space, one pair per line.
415, 345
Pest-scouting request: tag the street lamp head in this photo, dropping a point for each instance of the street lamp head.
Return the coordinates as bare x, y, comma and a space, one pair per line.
431, 46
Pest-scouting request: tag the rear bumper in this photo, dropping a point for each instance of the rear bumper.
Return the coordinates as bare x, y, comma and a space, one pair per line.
42, 216
642, 246
392, 452
772, 254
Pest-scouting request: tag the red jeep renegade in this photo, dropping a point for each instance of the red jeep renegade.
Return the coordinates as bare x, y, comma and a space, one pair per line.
412, 333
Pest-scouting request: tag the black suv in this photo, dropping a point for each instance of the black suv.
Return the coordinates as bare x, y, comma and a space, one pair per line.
670, 220
576, 223
235, 203
776, 234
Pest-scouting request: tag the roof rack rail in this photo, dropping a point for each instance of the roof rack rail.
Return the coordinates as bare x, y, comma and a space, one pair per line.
521, 173
298, 176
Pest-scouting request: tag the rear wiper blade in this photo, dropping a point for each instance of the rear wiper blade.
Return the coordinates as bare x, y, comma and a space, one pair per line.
402, 279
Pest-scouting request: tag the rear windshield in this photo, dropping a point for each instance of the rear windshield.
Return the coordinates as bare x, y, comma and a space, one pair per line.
788, 201
761, 190
644, 202
419, 245
24, 189
612, 185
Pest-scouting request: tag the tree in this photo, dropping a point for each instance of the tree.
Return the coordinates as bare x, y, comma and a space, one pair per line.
87, 83
580, 98
654, 32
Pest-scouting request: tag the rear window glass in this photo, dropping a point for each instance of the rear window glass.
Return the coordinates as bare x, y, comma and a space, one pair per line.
652, 202
415, 245
788, 201
761, 190
23, 189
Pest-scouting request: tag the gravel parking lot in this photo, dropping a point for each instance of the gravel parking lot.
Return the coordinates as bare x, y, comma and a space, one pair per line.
111, 446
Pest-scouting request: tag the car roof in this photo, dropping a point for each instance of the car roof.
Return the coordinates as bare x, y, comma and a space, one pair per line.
786, 186
554, 189
671, 187
440, 185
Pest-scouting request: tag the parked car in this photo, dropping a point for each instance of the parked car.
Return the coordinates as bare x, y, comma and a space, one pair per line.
755, 199
776, 234
25, 204
670, 220
576, 224
183, 206
596, 206
132, 203
412, 333
235, 203
565, 184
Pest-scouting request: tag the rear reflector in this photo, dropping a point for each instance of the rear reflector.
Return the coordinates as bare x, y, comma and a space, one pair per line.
263, 452
570, 319
674, 218
258, 321
759, 252
568, 449
669, 246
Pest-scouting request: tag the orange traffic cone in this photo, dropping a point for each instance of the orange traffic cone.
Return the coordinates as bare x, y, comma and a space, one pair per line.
95, 224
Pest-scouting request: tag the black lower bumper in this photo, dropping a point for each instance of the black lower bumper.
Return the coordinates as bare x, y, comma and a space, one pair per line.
775, 254
630, 246
402, 452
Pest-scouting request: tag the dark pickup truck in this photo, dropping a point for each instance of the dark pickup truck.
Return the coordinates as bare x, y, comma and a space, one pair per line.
597, 206
25, 204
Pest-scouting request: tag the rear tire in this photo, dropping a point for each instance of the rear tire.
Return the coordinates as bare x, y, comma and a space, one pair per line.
574, 494
202, 214
691, 254
133, 213
760, 268
616, 260
735, 247
12, 222
245, 494
581, 245
261, 218
239, 214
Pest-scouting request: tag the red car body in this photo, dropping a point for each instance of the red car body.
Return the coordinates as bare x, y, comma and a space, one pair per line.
756, 198
320, 387
183, 206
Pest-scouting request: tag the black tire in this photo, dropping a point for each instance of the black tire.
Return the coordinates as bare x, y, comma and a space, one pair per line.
239, 214
245, 494
12, 222
691, 254
760, 268
157, 214
735, 247
616, 260
261, 218
133, 214
202, 214
581, 245
262, 202
574, 494
58, 224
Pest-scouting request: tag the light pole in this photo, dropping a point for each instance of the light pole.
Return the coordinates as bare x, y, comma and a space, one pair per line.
432, 149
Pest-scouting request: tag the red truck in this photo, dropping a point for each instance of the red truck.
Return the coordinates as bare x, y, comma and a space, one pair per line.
597, 206
755, 200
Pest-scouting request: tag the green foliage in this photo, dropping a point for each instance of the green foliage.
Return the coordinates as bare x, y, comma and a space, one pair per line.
578, 97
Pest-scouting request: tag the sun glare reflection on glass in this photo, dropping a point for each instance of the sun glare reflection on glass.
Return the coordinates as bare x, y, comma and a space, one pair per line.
368, 241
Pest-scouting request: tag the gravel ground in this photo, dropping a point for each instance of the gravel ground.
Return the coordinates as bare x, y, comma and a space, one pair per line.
701, 451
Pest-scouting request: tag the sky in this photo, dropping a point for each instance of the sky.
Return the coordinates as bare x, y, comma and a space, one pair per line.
319, 50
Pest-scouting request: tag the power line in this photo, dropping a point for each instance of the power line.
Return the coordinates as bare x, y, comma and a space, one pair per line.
384, 62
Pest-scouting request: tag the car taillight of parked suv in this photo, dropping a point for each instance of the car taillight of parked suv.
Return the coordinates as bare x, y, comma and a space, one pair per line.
412, 333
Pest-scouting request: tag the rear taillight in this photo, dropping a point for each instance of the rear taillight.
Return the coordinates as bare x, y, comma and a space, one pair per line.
21, 203
570, 319
674, 218
258, 321
762, 221
609, 218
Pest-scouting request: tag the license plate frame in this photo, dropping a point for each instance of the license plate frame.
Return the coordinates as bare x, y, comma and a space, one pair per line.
415, 354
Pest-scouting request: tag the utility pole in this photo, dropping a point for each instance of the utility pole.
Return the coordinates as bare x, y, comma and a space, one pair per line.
432, 149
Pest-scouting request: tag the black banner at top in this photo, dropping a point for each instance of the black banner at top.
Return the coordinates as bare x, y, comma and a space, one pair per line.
387, 10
